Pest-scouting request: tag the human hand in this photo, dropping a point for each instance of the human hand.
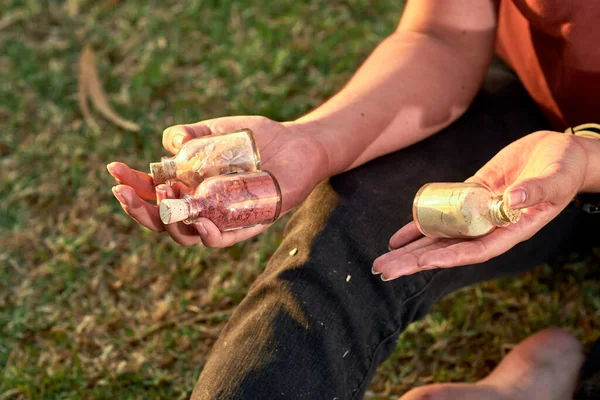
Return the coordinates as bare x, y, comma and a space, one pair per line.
292, 155
539, 173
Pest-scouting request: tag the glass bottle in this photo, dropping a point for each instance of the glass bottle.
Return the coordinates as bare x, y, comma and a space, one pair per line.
208, 156
233, 201
460, 210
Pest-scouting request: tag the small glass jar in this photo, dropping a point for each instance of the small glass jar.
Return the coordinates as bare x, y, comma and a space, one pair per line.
208, 156
460, 210
233, 201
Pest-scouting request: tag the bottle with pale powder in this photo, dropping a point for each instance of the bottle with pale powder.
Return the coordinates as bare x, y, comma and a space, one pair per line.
233, 201
460, 210
208, 156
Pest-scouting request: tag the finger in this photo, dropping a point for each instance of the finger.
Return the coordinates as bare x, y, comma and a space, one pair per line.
174, 191
161, 193
553, 186
140, 181
498, 242
175, 136
396, 263
141, 211
407, 234
417, 244
464, 254
182, 234
473, 251
213, 237
491, 175
484, 180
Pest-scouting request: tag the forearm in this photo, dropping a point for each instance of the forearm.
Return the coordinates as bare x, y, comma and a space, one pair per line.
591, 182
411, 86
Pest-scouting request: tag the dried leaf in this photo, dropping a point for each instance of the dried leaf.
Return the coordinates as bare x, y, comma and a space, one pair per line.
161, 308
127, 272
121, 367
86, 325
83, 105
160, 286
72, 7
10, 393
11, 17
89, 83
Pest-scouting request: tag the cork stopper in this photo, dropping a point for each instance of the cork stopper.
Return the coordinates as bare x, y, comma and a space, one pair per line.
158, 173
162, 171
173, 210
510, 214
502, 215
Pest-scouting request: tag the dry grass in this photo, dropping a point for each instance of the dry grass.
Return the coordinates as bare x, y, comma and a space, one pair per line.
93, 306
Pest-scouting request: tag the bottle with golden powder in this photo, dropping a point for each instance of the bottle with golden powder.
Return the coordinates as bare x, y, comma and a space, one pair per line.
207, 156
460, 210
233, 201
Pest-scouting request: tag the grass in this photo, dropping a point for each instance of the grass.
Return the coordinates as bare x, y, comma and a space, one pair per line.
92, 305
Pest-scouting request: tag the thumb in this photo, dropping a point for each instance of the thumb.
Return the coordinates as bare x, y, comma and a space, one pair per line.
552, 186
175, 136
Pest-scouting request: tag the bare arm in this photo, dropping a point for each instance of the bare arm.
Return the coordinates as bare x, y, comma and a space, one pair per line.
417, 81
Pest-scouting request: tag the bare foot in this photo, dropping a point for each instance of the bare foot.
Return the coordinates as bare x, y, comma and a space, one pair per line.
545, 366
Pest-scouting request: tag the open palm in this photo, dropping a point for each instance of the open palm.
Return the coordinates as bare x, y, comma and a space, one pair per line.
295, 159
540, 174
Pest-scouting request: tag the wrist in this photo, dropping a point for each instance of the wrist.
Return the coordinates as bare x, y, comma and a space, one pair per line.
314, 134
591, 146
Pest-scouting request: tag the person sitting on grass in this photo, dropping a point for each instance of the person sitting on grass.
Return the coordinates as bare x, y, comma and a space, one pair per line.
424, 107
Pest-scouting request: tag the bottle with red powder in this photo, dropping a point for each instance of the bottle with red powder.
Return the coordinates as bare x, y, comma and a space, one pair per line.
233, 201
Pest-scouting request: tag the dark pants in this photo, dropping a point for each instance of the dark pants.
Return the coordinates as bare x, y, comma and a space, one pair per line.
317, 323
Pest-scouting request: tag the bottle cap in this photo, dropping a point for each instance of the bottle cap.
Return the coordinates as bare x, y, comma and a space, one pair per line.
173, 210
159, 175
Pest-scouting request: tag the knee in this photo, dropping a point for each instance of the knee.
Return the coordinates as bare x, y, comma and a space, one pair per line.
430, 392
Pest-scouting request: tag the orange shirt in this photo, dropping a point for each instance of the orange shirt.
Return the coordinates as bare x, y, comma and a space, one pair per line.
554, 47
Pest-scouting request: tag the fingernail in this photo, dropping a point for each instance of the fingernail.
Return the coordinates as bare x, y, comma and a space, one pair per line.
111, 170
516, 198
118, 194
374, 272
201, 228
178, 140
390, 248
383, 278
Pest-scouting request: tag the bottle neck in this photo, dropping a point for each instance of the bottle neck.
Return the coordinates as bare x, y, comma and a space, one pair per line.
163, 171
195, 206
501, 215
169, 168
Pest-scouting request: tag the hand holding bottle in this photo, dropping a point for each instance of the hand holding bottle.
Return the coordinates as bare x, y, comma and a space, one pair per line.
293, 156
539, 174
